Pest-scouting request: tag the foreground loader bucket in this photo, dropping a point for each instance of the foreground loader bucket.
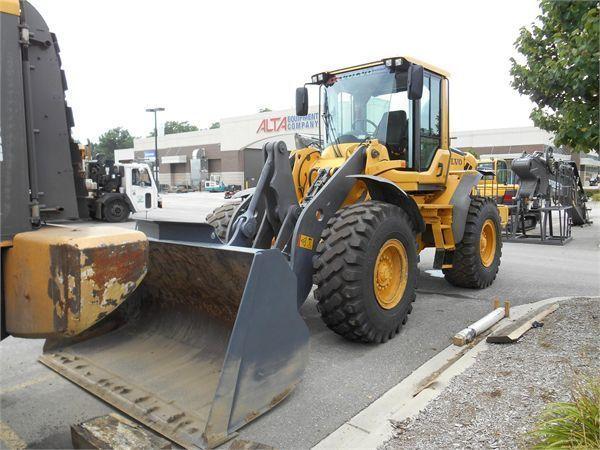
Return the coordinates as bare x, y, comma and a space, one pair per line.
213, 340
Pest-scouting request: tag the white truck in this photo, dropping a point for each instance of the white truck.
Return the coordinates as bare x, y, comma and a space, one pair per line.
115, 190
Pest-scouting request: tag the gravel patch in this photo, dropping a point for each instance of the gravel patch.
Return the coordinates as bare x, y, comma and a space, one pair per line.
494, 403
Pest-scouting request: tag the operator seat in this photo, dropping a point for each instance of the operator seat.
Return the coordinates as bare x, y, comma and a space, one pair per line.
395, 135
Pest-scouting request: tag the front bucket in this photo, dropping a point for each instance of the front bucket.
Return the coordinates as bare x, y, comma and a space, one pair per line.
213, 340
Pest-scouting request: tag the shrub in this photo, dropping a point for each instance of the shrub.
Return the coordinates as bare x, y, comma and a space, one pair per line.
574, 424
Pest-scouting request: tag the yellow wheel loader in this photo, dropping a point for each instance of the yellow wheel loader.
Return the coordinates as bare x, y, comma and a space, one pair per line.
354, 210
194, 335
498, 181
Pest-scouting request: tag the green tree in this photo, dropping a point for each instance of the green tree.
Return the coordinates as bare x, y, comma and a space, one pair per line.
560, 71
174, 127
113, 139
471, 150
215, 125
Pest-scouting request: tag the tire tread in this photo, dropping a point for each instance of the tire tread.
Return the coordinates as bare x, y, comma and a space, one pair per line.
465, 271
220, 218
338, 270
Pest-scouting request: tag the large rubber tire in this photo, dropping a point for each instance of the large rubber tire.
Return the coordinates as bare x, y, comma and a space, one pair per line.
468, 269
220, 219
578, 212
116, 211
579, 215
344, 271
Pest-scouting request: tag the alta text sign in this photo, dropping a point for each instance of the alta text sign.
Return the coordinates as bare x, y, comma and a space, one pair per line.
288, 123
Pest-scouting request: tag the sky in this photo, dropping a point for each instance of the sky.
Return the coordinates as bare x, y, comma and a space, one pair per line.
203, 60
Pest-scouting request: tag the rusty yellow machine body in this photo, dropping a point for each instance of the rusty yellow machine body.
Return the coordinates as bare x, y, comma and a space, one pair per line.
60, 281
195, 330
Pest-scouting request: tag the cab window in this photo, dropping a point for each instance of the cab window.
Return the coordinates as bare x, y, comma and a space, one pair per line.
140, 177
502, 172
369, 103
430, 119
391, 114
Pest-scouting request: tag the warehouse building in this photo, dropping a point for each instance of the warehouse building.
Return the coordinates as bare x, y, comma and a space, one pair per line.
232, 153
510, 143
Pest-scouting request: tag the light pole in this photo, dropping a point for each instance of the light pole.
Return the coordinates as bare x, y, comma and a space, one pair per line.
155, 110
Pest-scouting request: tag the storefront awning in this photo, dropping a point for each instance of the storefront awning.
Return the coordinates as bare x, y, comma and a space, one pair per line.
175, 159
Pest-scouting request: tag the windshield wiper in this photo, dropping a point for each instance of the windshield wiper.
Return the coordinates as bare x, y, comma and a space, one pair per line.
329, 126
336, 139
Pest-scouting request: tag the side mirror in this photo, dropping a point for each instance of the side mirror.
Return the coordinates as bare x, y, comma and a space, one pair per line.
302, 101
415, 82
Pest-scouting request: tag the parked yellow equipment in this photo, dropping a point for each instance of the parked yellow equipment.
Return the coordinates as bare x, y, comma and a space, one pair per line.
498, 181
195, 337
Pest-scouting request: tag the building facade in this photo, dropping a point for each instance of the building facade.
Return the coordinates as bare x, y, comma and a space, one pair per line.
232, 153
510, 143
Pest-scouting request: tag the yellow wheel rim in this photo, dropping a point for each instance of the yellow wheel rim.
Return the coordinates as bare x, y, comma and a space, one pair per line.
487, 243
390, 274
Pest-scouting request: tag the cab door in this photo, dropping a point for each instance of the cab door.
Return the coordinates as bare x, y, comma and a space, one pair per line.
143, 191
502, 174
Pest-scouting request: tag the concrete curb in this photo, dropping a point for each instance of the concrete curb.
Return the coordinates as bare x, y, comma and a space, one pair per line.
372, 426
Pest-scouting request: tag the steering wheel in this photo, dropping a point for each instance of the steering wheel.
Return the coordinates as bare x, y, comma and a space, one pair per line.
365, 121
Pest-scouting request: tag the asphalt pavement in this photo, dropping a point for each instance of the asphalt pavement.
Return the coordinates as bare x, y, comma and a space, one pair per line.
37, 406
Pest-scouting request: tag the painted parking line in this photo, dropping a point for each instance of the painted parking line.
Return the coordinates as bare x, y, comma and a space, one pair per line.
27, 383
10, 438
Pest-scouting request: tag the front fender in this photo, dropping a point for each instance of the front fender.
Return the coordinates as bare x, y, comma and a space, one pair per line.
387, 191
461, 201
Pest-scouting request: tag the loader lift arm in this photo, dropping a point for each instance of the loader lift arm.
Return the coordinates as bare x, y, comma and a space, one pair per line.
292, 227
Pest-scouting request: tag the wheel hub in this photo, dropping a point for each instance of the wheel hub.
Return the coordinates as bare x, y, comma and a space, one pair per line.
487, 243
384, 273
390, 274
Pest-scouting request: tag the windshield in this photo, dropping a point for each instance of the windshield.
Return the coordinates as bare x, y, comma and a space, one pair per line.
370, 103
488, 166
